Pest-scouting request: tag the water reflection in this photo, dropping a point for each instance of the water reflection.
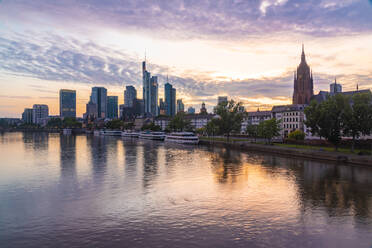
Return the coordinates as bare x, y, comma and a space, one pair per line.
150, 161
108, 191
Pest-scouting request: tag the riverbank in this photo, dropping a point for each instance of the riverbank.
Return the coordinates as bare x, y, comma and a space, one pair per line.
320, 155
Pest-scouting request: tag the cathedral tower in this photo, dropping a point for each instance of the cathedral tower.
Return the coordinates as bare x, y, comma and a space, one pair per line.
303, 82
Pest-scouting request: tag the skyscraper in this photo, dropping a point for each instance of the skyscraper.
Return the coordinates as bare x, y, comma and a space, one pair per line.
67, 103
221, 99
170, 99
180, 106
162, 108
303, 82
39, 113
150, 91
27, 115
130, 94
112, 107
99, 97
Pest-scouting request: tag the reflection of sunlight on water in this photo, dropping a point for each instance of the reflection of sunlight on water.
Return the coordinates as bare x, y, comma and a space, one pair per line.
154, 193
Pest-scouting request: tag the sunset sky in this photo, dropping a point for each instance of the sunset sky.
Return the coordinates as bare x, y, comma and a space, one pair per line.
245, 49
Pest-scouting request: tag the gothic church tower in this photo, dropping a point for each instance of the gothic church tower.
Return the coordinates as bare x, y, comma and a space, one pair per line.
303, 82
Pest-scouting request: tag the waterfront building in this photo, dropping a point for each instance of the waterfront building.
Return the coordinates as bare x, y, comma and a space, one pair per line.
40, 113
221, 99
130, 94
99, 97
203, 109
291, 118
162, 108
67, 103
255, 118
191, 110
91, 111
150, 92
180, 106
170, 99
303, 82
197, 121
27, 116
112, 107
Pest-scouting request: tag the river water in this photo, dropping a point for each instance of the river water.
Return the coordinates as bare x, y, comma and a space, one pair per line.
85, 191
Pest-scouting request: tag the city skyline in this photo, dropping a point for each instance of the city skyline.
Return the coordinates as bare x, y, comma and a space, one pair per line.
236, 48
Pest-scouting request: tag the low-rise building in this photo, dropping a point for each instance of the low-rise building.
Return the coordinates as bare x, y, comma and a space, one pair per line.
254, 118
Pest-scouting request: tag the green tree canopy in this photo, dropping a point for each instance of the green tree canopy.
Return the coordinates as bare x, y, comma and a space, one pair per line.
269, 129
230, 117
179, 123
212, 127
114, 124
151, 126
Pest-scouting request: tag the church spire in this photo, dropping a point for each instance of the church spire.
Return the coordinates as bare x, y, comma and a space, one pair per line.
303, 59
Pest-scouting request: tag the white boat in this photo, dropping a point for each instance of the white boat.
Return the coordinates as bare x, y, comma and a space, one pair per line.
67, 131
110, 133
97, 132
152, 135
182, 138
130, 134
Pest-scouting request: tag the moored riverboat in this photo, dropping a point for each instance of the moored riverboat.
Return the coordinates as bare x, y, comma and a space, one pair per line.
152, 135
182, 138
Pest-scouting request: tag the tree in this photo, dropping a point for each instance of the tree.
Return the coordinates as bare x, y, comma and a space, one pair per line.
151, 126
179, 123
358, 117
252, 131
70, 122
114, 124
128, 125
212, 127
296, 135
312, 113
327, 119
269, 129
230, 117
55, 123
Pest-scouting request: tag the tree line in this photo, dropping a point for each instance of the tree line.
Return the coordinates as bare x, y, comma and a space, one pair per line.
340, 116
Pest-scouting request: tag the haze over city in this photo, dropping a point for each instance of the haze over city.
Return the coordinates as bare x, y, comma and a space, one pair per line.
247, 50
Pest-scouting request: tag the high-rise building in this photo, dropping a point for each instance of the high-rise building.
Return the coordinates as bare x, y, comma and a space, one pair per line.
180, 106
335, 88
27, 115
39, 113
99, 97
112, 107
67, 103
170, 99
91, 111
162, 108
221, 99
303, 82
130, 94
191, 110
150, 91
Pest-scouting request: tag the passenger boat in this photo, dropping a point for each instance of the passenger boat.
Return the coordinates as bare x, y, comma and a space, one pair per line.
97, 132
152, 135
67, 131
110, 133
130, 134
182, 138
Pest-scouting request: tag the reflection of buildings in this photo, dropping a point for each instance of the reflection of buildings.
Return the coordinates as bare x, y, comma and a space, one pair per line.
68, 157
98, 149
150, 162
38, 141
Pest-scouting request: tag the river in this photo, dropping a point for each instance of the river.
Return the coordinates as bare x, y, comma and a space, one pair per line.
85, 191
